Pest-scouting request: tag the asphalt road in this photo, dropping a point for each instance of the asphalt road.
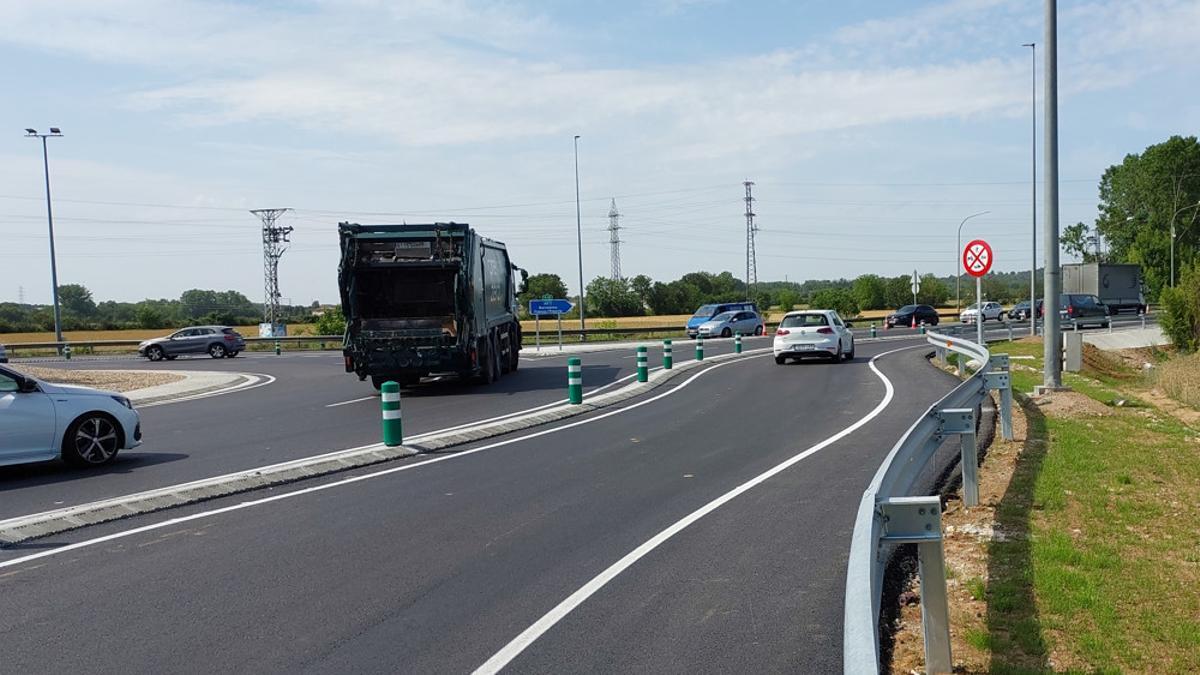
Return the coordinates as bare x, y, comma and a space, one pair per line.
436, 563
313, 407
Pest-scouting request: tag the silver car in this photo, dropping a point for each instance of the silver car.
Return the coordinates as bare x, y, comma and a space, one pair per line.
728, 324
216, 341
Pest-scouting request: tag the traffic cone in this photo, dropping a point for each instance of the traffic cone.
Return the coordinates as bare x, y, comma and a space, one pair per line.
914, 321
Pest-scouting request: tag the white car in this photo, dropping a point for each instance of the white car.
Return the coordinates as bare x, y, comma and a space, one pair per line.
992, 311
814, 332
43, 421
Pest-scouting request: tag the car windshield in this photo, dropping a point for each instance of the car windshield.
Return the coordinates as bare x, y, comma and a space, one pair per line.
802, 320
906, 309
974, 306
724, 316
705, 312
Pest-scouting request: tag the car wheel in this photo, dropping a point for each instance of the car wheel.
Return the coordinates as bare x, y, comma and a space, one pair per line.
91, 440
780, 360
726, 332
850, 354
217, 351
155, 353
760, 329
837, 357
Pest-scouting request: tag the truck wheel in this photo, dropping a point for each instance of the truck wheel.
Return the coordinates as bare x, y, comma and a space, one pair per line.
497, 357
505, 355
487, 373
377, 382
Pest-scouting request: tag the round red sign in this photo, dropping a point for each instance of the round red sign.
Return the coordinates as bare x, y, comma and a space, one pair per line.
977, 258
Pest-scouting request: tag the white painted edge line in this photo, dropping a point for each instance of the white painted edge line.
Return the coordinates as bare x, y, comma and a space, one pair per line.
527, 637
253, 381
356, 479
353, 400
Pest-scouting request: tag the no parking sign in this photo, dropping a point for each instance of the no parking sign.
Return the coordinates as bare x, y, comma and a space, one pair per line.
977, 258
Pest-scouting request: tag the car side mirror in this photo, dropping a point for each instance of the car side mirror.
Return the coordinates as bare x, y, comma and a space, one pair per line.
849, 325
27, 386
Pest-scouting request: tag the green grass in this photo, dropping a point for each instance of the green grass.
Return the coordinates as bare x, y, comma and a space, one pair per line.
1102, 564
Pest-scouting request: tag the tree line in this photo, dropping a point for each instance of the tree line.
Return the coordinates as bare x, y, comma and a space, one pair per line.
80, 311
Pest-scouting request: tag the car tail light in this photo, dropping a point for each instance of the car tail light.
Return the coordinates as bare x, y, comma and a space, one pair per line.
825, 330
783, 331
1070, 310
230, 338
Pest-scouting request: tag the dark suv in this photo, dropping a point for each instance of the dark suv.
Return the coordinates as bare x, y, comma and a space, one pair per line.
1083, 309
903, 317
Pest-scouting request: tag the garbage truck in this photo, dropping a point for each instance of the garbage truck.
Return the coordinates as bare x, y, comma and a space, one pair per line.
427, 299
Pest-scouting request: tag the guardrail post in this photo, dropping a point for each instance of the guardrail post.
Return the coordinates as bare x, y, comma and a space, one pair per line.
737, 343
999, 379
918, 520
643, 372
961, 421
575, 380
699, 348
668, 359
389, 402
1010, 332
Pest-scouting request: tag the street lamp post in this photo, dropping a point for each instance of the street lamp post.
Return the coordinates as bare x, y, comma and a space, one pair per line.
1033, 113
1173, 216
54, 133
579, 241
958, 260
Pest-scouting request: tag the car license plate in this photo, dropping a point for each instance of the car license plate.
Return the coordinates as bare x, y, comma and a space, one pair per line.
803, 348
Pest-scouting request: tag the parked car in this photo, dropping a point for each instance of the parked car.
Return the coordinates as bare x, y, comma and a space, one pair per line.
814, 332
991, 311
1020, 311
903, 317
43, 421
727, 324
707, 312
1083, 309
3, 354
217, 341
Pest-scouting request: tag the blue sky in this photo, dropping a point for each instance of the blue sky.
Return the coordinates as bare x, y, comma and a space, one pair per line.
870, 129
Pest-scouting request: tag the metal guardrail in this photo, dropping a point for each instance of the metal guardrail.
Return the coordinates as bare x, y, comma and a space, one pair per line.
889, 514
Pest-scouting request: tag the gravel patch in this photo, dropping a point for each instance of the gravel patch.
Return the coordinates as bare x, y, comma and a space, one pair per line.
110, 380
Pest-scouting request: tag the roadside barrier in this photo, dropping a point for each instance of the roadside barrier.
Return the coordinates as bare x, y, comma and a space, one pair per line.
643, 370
575, 380
737, 344
667, 358
277, 348
699, 348
389, 403
889, 514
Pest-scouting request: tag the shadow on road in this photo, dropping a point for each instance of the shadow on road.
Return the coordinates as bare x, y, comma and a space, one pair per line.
50, 473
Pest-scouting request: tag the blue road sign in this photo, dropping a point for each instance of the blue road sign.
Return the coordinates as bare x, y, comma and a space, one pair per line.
549, 307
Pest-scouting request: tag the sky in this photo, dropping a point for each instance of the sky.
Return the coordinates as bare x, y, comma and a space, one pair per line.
870, 130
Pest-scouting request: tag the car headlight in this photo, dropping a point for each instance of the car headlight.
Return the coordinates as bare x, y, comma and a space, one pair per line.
123, 401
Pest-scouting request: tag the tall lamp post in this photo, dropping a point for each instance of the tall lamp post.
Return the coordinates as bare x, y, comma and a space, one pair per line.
1052, 282
54, 133
958, 260
1033, 113
579, 241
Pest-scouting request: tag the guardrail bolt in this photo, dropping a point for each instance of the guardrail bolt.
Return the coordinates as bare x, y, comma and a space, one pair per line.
67, 352
389, 401
575, 380
643, 372
699, 348
667, 358
737, 344
277, 349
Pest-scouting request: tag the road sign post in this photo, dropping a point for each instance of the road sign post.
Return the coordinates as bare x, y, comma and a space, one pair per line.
547, 306
915, 286
977, 260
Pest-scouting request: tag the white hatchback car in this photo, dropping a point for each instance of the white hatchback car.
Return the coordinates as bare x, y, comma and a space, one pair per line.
992, 311
43, 421
814, 332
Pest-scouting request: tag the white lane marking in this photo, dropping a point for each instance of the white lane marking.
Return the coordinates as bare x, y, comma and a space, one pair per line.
353, 400
518, 644
257, 380
355, 479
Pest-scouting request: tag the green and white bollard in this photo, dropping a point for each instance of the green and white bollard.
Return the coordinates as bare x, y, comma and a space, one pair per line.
277, 350
67, 352
873, 333
668, 359
389, 397
699, 348
922, 329
643, 369
737, 343
575, 380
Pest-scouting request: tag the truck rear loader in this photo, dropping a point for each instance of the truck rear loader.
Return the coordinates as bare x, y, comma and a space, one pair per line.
426, 299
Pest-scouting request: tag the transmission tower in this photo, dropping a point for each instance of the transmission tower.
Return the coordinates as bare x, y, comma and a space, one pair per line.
751, 228
20, 295
274, 237
614, 239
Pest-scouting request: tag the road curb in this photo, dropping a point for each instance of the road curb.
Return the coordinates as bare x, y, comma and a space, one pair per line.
23, 528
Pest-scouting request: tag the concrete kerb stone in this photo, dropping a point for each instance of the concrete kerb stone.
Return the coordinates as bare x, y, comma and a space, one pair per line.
23, 528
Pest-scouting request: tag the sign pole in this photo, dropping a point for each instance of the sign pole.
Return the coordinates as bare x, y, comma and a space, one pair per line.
559, 331
537, 331
979, 304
